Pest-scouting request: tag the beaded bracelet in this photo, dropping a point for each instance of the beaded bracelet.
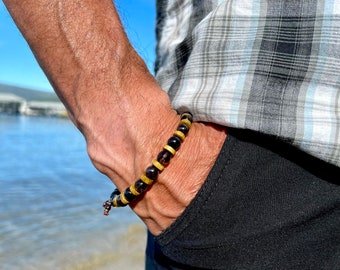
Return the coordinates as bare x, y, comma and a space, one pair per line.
118, 199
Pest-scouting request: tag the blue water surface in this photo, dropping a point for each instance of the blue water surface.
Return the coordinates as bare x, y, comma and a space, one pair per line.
51, 198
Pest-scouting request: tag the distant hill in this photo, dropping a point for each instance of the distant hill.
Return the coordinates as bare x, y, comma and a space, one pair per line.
29, 94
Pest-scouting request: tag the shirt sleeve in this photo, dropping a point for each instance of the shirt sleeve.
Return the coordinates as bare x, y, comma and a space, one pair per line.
270, 66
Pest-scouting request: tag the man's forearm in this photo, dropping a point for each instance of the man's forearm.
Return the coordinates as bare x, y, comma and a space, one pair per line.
106, 87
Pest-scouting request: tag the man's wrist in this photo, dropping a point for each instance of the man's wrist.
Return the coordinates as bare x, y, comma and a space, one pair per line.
146, 180
180, 182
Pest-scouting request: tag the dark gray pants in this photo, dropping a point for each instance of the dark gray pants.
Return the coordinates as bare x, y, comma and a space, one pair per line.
265, 205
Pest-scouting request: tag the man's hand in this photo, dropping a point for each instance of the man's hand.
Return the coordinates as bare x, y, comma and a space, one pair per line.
115, 102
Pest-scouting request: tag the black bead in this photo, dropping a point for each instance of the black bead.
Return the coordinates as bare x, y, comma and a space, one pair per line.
174, 142
151, 172
120, 203
183, 128
115, 193
140, 186
128, 195
164, 157
188, 116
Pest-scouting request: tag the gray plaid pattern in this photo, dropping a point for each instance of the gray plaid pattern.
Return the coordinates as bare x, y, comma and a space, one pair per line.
270, 66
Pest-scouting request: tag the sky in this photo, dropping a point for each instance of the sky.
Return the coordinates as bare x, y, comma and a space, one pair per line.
18, 66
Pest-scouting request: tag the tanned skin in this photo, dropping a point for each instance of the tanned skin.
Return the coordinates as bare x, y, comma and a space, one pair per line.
124, 115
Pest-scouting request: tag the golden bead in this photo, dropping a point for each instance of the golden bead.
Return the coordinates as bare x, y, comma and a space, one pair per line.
180, 134
133, 190
115, 202
186, 122
123, 199
158, 165
146, 179
170, 149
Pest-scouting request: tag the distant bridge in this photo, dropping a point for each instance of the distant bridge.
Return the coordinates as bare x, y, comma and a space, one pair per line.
13, 104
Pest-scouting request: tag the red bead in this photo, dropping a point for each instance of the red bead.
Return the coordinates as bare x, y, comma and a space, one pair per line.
140, 186
151, 172
183, 128
164, 157
128, 195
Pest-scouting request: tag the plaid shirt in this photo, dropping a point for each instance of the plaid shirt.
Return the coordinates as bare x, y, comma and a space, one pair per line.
267, 65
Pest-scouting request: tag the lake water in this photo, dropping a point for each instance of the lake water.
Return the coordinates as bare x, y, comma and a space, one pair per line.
51, 203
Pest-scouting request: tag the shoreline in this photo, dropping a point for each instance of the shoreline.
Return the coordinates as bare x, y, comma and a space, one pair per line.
129, 253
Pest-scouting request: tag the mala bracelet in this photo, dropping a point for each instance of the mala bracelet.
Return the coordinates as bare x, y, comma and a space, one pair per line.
118, 199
